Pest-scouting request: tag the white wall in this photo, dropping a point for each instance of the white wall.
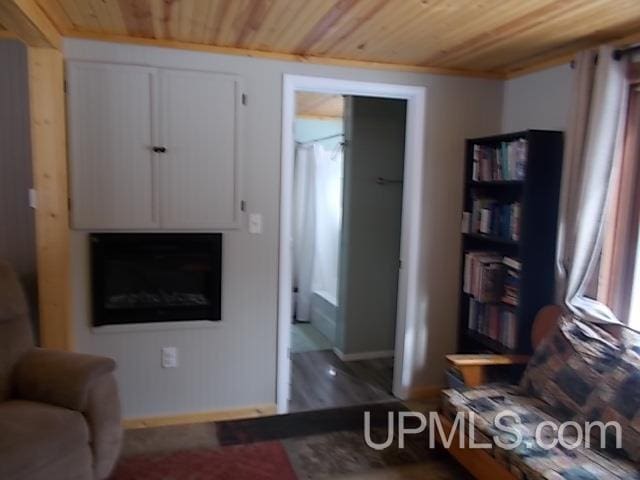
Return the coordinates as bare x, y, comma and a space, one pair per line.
537, 101
234, 364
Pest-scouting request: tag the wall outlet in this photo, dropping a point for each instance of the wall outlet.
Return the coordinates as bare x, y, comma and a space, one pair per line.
169, 357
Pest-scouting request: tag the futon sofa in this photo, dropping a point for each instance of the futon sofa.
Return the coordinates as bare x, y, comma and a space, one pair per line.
59, 411
579, 372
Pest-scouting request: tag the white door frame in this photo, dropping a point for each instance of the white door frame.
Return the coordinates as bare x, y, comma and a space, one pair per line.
411, 218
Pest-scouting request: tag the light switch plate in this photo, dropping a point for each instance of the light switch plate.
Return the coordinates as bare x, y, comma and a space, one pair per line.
255, 223
33, 198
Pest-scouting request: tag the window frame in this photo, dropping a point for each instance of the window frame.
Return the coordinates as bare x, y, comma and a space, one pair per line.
621, 229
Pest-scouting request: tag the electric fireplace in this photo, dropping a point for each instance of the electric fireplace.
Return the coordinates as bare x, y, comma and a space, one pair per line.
149, 277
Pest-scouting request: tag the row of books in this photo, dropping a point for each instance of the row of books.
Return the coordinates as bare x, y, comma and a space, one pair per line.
491, 278
490, 217
495, 322
505, 162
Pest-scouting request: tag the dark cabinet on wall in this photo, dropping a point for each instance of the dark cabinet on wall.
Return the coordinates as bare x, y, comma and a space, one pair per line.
509, 226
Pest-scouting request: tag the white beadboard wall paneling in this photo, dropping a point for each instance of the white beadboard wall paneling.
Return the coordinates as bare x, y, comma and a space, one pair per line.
234, 365
17, 219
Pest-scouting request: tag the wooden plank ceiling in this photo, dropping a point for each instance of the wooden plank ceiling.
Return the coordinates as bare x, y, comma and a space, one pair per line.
495, 37
319, 105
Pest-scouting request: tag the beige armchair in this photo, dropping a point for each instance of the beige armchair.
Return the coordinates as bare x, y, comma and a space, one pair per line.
59, 411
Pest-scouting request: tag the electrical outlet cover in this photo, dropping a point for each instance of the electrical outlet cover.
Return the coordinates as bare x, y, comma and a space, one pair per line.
169, 357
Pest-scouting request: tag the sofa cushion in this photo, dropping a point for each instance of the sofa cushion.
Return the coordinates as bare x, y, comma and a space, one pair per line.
530, 461
568, 366
35, 436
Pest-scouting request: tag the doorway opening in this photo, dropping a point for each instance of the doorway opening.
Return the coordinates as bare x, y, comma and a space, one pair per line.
351, 184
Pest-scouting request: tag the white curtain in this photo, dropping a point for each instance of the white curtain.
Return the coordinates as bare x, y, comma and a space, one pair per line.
594, 126
317, 222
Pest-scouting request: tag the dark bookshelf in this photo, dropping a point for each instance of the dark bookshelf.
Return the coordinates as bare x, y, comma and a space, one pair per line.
538, 195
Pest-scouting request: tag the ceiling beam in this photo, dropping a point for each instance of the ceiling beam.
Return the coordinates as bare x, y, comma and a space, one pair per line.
29, 23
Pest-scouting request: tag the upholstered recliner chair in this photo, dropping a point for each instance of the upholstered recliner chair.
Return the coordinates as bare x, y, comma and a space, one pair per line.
59, 411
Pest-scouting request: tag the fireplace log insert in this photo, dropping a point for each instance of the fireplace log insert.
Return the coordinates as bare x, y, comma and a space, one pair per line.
149, 277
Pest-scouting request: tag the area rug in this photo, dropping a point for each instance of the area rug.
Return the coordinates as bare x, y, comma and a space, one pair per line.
256, 461
318, 445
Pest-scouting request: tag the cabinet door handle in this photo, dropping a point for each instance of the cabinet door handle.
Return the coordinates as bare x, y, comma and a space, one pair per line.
160, 149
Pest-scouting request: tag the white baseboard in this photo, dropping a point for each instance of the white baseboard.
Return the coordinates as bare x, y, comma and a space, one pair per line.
350, 357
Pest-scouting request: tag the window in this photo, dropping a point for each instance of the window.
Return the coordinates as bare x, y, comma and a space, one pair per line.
617, 278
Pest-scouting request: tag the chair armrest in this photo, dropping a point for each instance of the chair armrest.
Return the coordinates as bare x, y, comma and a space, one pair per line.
59, 378
473, 368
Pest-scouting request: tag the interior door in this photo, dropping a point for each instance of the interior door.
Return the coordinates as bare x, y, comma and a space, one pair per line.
371, 224
199, 170
110, 142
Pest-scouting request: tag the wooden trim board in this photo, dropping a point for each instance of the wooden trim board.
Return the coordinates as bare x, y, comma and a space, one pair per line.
199, 417
27, 20
49, 158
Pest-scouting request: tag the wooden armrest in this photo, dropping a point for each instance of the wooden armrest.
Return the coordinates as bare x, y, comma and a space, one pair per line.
486, 360
473, 368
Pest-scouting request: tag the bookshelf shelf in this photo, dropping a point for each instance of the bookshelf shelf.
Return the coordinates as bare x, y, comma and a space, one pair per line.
491, 238
512, 185
502, 304
488, 343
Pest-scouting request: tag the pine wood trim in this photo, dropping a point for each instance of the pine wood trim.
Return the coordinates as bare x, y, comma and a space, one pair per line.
467, 360
478, 462
555, 61
29, 23
473, 368
288, 57
49, 158
6, 34
200, 417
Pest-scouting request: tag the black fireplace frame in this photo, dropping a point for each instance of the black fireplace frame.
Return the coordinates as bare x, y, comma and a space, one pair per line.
209, 243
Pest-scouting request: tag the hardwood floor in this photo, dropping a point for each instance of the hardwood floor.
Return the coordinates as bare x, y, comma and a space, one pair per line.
321, 380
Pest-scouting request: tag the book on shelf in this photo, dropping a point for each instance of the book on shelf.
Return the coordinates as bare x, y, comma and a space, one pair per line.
506, 161
490, 217
483, 276
511, 288
495, 322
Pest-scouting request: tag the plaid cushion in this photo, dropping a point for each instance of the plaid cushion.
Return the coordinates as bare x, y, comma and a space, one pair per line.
569, 366
529, 461
617, 397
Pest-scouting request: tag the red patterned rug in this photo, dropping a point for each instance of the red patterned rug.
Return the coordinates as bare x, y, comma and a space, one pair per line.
257, 461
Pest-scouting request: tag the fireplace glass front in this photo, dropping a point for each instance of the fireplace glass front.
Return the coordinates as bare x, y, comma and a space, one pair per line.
143, 278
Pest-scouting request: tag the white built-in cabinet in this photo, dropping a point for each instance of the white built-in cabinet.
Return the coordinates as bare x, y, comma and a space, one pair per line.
153, 148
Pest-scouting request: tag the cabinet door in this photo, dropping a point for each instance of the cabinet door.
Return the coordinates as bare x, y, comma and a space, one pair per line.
199, 171
110, 140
